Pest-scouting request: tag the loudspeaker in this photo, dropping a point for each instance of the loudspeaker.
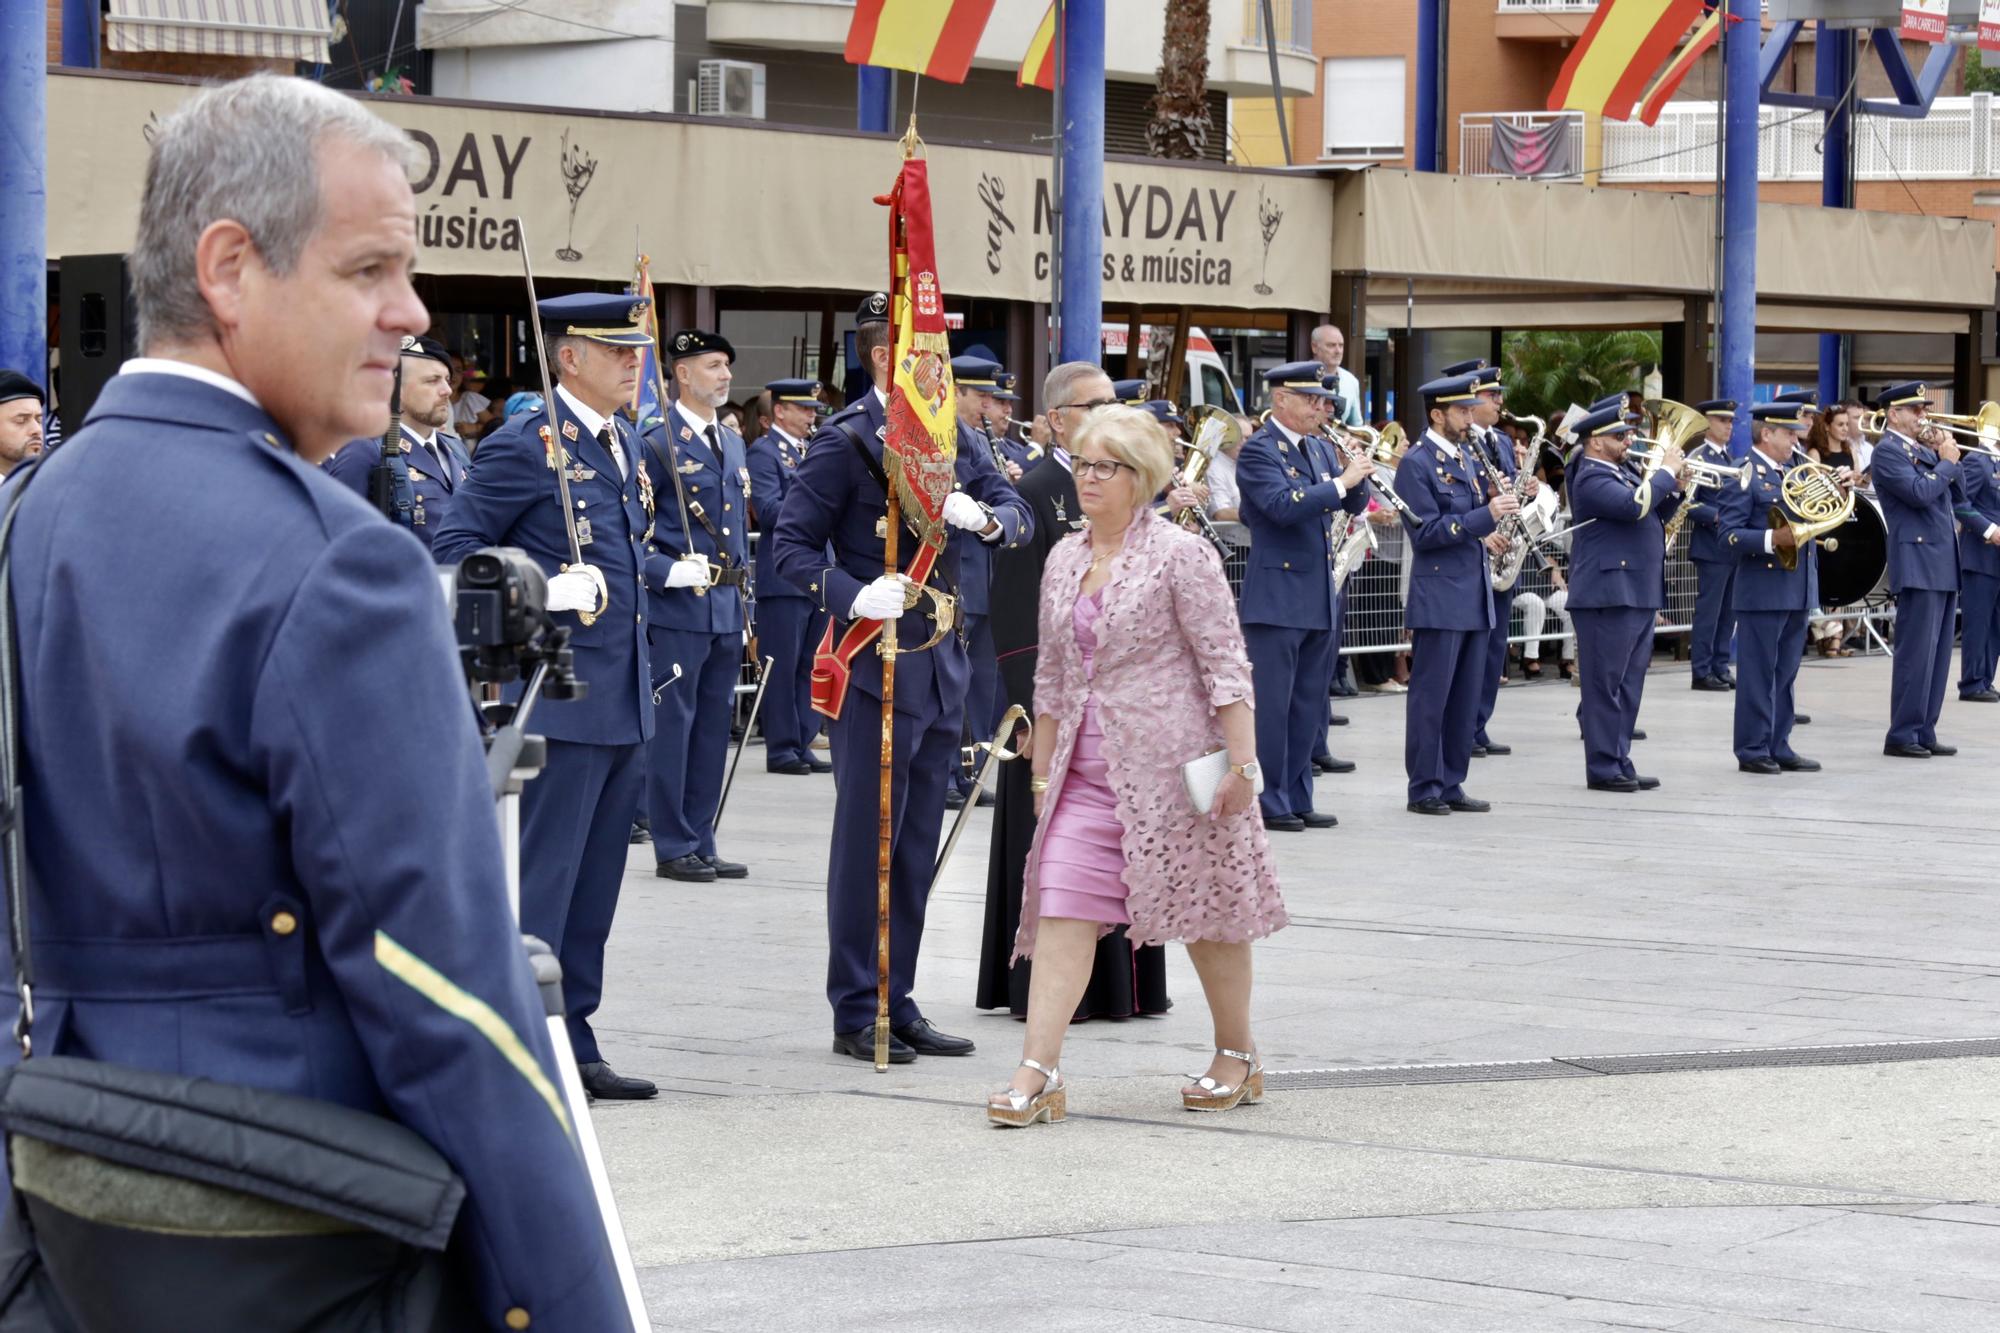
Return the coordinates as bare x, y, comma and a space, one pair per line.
99, 330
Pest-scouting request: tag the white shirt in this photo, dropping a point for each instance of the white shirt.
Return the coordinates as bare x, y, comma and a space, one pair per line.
469, 405
1222, 492
595, 424
1450, 450
158, 365
1349, 389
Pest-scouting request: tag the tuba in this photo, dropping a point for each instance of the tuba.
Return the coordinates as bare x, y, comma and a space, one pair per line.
1680, 426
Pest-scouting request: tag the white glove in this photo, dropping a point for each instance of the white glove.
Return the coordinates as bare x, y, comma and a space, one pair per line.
880, 600
690, 571
578, 588
962, 511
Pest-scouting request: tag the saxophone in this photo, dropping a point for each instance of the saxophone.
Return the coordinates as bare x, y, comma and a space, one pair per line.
1513, 528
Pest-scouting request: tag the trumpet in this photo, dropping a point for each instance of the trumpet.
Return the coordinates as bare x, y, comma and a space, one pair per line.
1708, 474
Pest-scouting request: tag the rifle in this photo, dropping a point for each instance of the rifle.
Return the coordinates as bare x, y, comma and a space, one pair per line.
389, 480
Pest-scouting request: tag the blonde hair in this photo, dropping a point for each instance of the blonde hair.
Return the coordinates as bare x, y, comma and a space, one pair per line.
1135, 438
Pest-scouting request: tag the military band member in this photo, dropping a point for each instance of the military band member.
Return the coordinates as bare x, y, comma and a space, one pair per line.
1450, 609
1979, 570
433, 457
974, 379
1291, 486
1618, 583
1916, 470
576, 816
1715, 565
788, 624
1132, 393
1324, 760
837, 497
1006, 402
1772, 603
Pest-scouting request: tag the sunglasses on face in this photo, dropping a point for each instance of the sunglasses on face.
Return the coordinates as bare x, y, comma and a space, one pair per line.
1100, 469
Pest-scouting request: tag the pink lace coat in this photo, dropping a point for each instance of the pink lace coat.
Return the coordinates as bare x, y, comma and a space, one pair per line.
1170, 652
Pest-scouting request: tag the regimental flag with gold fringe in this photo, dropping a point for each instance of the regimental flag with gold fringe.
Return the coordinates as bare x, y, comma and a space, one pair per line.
1683, 63
1038, 66
932, 37
1625, 41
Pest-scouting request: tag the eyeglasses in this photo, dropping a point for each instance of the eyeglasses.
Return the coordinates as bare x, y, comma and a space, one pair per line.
1100, 469
1090, 406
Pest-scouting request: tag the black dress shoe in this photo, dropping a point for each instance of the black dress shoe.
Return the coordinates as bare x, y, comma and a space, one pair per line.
601, 1083
1317, 819
1469, 805
796, 768
954, 799
985, 800
1435, 805
727, 869
1801, 719
1615, 784
1757, 766
1495, 747
1980, 697
1478, 752
1340, 720
860, 1044
1714, 684
925, 1039
690, 868
641, 832
1334, 764
1285, 823
1638, 734
1798, 763
1906, 752
818, 765
1941, 750
1645, 783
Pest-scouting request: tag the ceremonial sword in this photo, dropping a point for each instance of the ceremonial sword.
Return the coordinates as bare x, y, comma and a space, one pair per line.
554, 451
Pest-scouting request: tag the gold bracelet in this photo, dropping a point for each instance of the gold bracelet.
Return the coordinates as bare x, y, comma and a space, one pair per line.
1038, 784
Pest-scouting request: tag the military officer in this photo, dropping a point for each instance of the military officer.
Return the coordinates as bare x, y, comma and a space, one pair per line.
434, 459
1773, 603
697, 626
22, 405
838, 497
788, 624
1979, 571
1916, 471
1453, 509
309, 895
576, 816
1716, 566
1324, 760
1292, 484
1132, 393
1006, 402
1618, 583
974, 379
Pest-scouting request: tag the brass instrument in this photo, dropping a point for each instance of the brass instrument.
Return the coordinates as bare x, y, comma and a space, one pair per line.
1982, 428
1212, 430
1513, 528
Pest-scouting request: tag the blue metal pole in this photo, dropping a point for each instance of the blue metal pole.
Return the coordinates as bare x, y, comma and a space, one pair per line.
1833, 70
1082, 306
79, 33
24, 275
1737, 320
1425, 154
874, 88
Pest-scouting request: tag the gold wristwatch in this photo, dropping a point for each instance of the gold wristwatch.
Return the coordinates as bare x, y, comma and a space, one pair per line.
1249, 772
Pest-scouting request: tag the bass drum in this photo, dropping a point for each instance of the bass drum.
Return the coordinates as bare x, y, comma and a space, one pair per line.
1857, 569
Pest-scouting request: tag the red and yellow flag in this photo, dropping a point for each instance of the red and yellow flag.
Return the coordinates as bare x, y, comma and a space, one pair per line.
922, 436
933, 37
1624, 43
1677, 69
1038, 67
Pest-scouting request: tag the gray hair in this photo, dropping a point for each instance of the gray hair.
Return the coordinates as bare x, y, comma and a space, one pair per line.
246, 151
1059, 386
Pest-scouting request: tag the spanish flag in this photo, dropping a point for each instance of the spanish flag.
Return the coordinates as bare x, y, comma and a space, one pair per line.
1677, 69
934, 37
1038, 67
1624, 43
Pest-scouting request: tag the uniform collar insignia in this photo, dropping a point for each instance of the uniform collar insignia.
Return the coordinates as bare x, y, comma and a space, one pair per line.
569, 430
686, 434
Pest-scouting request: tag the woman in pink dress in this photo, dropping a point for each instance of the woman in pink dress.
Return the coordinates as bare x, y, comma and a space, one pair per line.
1141, 669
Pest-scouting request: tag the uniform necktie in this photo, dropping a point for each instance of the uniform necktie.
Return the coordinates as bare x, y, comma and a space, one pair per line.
714, 438
610, 443
437, 452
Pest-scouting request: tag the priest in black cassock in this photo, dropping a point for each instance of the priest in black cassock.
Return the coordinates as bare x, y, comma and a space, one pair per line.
1122, 982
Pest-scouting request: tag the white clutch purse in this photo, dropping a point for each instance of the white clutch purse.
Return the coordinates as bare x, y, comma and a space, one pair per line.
1202, 776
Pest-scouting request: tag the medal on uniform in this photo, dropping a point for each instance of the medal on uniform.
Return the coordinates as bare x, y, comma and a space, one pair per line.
582, 531
578, 472
744, 474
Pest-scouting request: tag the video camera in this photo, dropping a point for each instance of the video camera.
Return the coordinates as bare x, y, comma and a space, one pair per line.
505, 632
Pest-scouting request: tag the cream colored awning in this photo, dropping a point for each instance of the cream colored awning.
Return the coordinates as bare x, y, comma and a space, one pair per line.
254, 29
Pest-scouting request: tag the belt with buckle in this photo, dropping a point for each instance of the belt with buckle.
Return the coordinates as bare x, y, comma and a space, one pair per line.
731, 576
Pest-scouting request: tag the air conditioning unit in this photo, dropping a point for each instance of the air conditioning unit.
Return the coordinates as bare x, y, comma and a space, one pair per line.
730, 88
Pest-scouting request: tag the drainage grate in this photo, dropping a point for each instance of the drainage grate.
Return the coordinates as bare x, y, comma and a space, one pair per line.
1666, 1062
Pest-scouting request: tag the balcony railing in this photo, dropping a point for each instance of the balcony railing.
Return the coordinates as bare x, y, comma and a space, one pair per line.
1293, 20
1475, 139
1954, 142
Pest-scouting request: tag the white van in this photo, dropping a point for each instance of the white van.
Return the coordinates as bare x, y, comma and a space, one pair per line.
1208, 381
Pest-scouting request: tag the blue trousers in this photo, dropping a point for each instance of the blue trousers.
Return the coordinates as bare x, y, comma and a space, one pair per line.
1442, 709
690, 746
1769, 645
1320, 750
1924, 631
982, 711
925, 743
788, 629
1290, 670
1496, 664
1714, 618
1979, 653
576, 823
1613, 646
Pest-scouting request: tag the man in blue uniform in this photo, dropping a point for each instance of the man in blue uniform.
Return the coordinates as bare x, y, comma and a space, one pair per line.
576, 817
1453, 510
838, 497
1005, 402
1916, 472
1715, 565
308, 891
1617, 585
1291, 484
1979, 570
698, 626
1324, 760
434, 460
788, 624
974, 380
1773, 602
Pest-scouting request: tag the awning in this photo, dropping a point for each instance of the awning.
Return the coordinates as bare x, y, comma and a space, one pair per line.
254, 29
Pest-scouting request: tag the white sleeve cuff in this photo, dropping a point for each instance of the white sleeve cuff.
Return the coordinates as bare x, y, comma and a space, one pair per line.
1340, 488
1991, 528
1767, 541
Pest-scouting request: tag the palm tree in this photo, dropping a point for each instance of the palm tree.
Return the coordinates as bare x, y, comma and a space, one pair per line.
1547, 370
1180, 125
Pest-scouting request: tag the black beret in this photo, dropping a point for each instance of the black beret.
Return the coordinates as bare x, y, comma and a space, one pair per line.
13, 384
874, 309
430, 349
693, 342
